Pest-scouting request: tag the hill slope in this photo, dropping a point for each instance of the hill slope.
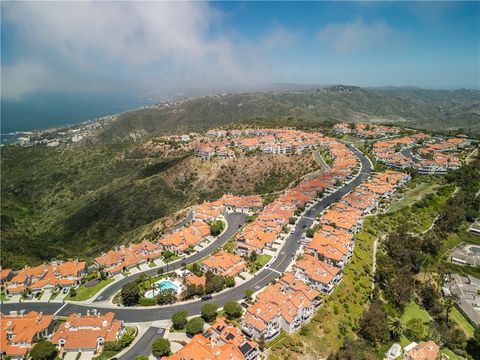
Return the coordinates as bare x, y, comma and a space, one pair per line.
430, 109
82, 201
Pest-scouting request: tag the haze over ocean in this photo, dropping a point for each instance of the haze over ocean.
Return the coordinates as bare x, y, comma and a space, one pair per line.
43, 111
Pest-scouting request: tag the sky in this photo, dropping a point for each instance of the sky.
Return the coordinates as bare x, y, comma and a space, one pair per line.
103, 47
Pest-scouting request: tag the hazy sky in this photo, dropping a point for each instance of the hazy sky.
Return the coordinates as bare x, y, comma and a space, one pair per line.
70, 47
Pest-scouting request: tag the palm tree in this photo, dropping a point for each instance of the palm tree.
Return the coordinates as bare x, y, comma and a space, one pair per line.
396, 328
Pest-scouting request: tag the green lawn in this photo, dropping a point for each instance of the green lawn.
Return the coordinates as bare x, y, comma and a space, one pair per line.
259, 262
55, 294
84, 293
413, 195
106, 355
4, 297
451, 355
462, 322
413, 311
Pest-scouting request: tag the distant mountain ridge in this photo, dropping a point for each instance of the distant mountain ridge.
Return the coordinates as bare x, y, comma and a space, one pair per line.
407, 106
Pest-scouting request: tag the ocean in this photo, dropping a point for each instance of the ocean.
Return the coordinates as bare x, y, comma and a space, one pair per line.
55, 110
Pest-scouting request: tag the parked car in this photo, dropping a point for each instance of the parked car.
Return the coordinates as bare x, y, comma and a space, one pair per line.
207, 297
244, 304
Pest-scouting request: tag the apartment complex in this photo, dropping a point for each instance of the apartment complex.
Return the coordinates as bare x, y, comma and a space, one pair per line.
224, 264
268, 141
432, 157
269, 224
366, 131
291, 301
87, 333
46, 277
222, 341
20, 331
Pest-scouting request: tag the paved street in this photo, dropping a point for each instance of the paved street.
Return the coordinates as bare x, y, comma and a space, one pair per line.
234, 220
144, 345
260, 280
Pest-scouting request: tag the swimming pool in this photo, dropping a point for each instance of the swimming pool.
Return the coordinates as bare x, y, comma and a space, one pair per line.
167, 285
159, 286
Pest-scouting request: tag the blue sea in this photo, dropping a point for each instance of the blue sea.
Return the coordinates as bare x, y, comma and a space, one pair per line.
55, 110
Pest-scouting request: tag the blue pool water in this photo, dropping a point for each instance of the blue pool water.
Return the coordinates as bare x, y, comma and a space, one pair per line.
167, 285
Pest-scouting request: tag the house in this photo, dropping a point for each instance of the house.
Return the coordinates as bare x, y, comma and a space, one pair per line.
223, 332
224, 263
202, 348
279, 306
317, 274
48, 276
394, 352
425, 350
126, 257
5, 275
20, 331
87, 333
196, 280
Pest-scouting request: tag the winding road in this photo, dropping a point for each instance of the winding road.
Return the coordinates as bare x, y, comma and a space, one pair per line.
260, 280
234, 220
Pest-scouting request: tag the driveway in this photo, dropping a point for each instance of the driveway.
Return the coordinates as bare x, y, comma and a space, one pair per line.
46, 295
144, 345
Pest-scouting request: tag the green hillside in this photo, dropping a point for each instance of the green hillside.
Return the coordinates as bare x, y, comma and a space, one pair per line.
429, 109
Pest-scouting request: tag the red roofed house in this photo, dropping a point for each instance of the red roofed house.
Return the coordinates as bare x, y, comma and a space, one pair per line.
87, 334
424, 350
224, 263
318, 274
201, 348
5, 275
223, 332
19, 332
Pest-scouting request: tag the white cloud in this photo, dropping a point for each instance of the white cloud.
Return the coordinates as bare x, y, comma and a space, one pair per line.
24, 77
280, 37
354, 36
85, 43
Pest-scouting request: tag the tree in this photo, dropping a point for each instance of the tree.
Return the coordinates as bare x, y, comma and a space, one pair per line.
161, 347
473, 344
167, 255
216, 227
167, 296
196, 269
179, 320
209, 312
415, 329
448, 303
261, 342
396, 329
72, 292
213, 283
400, 290
373, 324
233, 310
248, 294
229, 281
130, 294
194, 326
43, 350
193, 290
